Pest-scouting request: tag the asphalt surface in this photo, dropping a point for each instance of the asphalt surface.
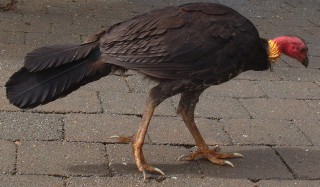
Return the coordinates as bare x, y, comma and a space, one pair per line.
272, 118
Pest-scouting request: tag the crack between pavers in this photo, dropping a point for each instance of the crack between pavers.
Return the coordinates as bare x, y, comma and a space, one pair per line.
63, 128
100, 102
15, 167
225, 131
185, 145
48, 112
315, 24
25, 38
301, 131
242, 105
294, 175
61, 176
65, 181
131, 90
110, 171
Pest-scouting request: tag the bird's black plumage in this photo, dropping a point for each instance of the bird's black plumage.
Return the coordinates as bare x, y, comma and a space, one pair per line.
185, 48
200, 43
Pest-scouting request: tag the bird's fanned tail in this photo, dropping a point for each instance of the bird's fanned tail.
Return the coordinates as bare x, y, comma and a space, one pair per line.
45, 78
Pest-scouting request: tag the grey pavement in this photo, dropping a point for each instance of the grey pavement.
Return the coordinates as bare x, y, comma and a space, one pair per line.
273, 118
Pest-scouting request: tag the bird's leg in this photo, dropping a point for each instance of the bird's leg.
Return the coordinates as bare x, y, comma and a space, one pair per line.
156, 96
138, 141
186, 109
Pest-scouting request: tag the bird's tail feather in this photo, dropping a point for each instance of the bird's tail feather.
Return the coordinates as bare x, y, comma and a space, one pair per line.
52, 72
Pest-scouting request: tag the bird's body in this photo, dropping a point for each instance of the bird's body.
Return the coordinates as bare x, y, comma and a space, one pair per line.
185, 49
198, 41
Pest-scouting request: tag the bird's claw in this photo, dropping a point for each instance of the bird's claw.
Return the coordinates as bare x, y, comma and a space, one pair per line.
114, 137
212, 155
183, 158
122, 139
226, 162
149, 174
238, 155
216, 148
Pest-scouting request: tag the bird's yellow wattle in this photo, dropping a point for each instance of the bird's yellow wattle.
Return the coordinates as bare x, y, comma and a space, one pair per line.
274, 52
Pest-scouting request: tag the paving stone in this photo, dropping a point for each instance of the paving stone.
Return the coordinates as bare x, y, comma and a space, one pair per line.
15, 52
110, 17
265, 132
108, 83
165, 130
290, 89
220, 108
180, 2
30, 180
132, 103
92, 26
206, 181
315, 104
314, 62
7, 157
62, 158
288, 183
298, 74
279, 109
10, 37
4, 102
138, 83
160, 156
7, 67
99, 127
303, 161
56, 22
260, 162
30, 126
125, 9
78, 101
43, 22
119, 181
310, 128
69, 7
236, 88
313, 49
312, 33
12, 22
290, 22
216, 107
258, 75
30, 23
45, 39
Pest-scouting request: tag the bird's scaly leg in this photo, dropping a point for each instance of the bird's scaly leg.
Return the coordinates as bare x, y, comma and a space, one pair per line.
156, 96
186, 109
138, 141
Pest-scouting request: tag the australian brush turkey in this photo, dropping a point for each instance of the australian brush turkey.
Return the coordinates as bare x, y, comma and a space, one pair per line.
186, 49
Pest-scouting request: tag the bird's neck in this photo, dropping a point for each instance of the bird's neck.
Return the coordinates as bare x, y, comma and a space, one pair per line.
274, 51
278, 46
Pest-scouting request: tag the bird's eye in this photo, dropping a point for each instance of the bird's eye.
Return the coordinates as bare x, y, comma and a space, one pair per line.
304, 50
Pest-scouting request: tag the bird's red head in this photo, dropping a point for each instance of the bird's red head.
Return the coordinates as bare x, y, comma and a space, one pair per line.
294, 47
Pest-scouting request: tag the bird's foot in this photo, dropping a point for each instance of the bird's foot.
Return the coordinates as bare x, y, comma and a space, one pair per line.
212, 155
150, 172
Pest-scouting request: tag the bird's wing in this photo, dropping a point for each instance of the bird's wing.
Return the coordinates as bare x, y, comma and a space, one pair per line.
174, 42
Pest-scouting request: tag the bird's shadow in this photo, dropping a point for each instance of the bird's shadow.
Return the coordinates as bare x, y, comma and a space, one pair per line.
258, 163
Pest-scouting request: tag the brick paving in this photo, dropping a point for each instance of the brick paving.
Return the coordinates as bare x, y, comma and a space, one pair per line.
271, 117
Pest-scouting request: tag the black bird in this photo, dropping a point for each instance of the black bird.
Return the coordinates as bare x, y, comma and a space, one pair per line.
186, 49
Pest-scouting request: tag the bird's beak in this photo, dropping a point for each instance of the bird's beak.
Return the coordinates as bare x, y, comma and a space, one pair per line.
305, 63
